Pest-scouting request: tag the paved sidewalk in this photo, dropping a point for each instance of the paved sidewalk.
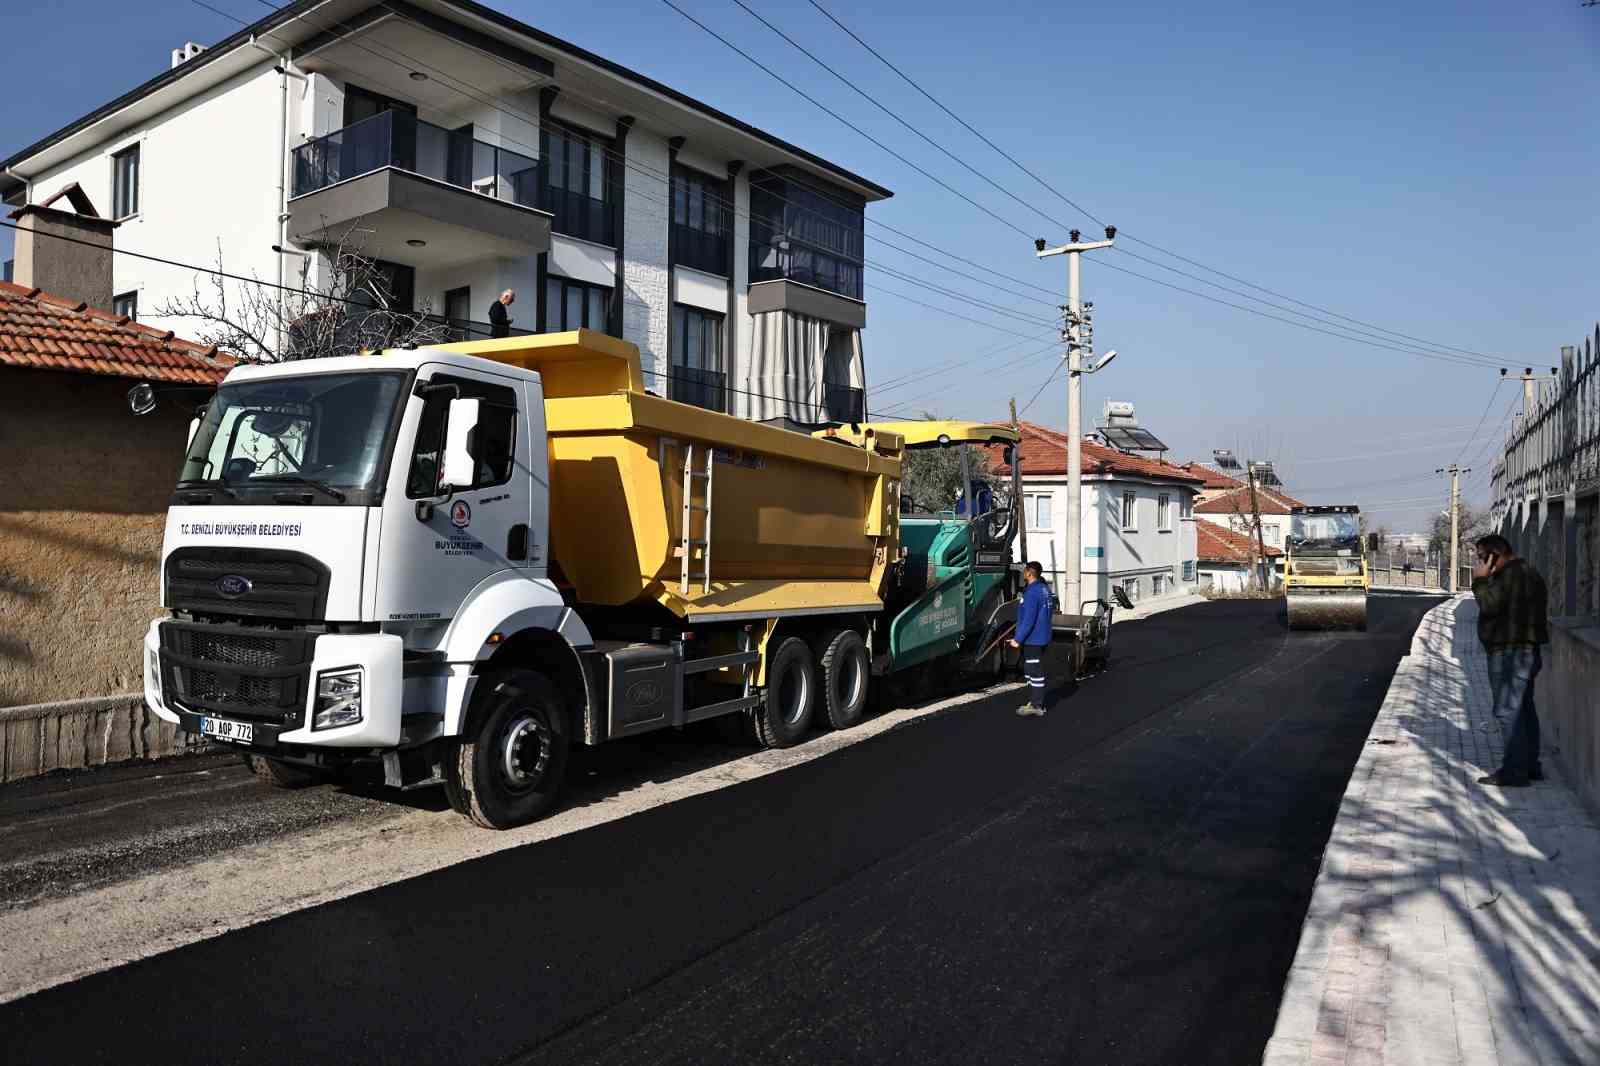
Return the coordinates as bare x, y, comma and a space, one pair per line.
1451, 923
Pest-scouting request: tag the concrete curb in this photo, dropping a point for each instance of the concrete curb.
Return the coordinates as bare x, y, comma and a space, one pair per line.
75, 734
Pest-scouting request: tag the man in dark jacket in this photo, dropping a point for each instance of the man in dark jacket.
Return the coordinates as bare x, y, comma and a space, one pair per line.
499, 319
1513, 621
1033, 636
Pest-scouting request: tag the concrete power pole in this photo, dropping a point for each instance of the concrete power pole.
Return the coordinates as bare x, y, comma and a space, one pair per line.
1528, 378
1455, 473
1073, 592
1019, 505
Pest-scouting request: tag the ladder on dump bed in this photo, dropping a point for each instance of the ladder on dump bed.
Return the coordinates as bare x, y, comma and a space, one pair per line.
692, 477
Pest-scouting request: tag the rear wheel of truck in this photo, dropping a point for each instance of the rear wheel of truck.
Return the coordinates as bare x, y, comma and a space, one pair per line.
280, 774
791, 696
845, 676
509, 767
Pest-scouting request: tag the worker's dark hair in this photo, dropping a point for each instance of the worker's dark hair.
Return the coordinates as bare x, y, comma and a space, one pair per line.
1495, 544
1038, 571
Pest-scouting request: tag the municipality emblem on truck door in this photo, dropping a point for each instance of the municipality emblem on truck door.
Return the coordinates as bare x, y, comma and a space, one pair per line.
460, 514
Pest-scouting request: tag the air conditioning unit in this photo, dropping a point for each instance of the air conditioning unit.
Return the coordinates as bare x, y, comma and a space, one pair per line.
190, 49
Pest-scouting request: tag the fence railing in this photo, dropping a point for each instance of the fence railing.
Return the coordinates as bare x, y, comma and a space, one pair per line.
1555, 447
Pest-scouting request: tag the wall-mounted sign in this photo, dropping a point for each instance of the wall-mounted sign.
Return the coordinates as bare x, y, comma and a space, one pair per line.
1093, 553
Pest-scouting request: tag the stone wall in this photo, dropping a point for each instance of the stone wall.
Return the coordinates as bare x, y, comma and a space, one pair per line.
646, 301
1568, 694
83, 494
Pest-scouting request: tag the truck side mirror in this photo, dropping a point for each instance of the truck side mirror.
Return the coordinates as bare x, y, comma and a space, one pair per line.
459, 469
142, 400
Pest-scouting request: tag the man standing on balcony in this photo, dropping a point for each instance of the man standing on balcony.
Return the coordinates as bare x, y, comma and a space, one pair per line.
499, 321
1513, 620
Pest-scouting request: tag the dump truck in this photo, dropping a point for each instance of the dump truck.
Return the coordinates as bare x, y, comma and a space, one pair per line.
460, 561
1325, 568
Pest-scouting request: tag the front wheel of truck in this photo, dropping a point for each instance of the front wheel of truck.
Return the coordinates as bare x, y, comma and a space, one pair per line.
509, 766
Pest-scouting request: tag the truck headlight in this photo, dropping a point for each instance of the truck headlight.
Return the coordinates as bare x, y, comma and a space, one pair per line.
338, 698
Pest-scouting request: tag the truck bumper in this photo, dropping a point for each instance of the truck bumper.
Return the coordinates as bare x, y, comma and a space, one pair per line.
374, 660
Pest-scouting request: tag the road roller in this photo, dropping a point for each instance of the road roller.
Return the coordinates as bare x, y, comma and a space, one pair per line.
1325, 579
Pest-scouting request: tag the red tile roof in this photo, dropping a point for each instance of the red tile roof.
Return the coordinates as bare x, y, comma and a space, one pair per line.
47, 332
1238, 502
1215, 479
1214, 544
1044, 451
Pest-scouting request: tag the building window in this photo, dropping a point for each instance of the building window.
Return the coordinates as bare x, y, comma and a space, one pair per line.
1038, 508
1186, 505
126, 304
1130, 586
573, 304
805, 232
579, 173
1188, 569
1269, 532
1130, 504
702, 221
697, 375
125, 183
1159, 583
1164, 512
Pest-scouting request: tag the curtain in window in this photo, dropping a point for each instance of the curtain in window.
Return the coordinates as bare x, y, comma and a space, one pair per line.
787, 367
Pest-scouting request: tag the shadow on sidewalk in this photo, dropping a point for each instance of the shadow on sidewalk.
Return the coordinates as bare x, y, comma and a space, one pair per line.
1451, 898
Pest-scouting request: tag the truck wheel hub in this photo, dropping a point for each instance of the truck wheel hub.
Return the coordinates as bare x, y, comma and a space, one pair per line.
526, 752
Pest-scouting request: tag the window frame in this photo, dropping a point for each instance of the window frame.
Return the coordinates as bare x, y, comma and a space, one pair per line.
1185, 504
555, 310
1030, 502
493, 395
131, 300
1130, 511
1130, 588
121, 194
1164, 512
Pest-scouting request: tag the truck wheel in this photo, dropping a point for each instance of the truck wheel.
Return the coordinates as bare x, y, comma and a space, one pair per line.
791, 696
845, 677
280, 774
509, 768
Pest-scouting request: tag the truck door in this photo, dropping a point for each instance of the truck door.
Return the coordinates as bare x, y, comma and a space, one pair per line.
433, 550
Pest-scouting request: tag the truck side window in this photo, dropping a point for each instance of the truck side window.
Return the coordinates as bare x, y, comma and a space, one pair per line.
493, 444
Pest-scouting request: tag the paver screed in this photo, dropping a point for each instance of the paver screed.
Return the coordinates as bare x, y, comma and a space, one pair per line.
1451, 922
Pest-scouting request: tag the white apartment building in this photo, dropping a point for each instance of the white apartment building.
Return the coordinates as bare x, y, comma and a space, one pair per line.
469, 153
1138, 524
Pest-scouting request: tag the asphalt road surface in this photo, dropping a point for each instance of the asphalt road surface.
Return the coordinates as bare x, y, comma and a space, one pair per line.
1120, 882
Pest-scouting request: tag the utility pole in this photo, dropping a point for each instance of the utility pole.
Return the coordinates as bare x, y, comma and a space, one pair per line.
1528, 378
1019, 505
1255, 514
1455, 473
1076, 342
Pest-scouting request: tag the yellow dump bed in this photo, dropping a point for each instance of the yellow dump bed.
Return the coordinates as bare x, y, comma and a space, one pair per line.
798, 524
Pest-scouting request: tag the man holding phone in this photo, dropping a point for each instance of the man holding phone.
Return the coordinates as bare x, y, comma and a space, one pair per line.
1513, 620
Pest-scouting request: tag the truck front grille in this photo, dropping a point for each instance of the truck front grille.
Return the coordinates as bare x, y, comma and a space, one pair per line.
240, 671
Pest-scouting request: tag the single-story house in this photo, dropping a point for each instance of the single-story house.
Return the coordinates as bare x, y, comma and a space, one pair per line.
1225, 558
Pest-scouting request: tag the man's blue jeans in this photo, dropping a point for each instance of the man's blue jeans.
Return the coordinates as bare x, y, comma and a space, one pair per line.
1511, 674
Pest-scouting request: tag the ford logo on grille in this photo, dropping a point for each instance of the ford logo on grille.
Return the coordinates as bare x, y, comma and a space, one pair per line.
232, 585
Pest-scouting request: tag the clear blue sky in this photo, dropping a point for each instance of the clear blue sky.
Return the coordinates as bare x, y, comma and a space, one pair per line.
1427, 166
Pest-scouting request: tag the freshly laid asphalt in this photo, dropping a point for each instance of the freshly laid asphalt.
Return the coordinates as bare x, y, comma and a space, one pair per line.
1122, 881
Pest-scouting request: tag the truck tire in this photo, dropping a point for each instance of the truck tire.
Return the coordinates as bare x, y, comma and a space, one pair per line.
846, 675
280, 774
790, 698
509, 766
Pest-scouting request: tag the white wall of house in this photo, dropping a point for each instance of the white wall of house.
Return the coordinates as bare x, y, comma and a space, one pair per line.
1225, 577
1146, 556
1274, 527
208, 185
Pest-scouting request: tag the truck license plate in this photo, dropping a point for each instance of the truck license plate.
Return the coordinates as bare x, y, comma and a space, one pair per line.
222, 729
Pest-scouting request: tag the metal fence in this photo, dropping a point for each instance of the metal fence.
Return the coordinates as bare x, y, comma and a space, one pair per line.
1545, 484
1420, 570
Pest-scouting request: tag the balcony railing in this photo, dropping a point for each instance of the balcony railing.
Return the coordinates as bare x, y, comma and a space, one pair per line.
401, 140
578, 214
845, 404
781, 259
701, 250
702, 388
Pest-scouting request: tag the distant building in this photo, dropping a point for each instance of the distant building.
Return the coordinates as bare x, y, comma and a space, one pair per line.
1215, 484
1232, 509
1224, 558
1138, 526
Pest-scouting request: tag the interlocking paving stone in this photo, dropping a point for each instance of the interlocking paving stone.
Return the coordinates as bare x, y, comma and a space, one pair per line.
1451, 923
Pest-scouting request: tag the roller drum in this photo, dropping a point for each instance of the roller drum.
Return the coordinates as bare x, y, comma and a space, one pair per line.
1339, 609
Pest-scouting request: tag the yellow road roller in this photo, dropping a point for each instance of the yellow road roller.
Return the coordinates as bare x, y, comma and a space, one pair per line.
1325, 577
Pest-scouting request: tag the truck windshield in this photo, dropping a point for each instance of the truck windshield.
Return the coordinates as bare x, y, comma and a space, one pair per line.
1318, 531
319, 431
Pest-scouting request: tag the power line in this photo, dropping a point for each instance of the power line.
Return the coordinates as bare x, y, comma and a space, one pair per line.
1095, 218
1040, 390
1478, 428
